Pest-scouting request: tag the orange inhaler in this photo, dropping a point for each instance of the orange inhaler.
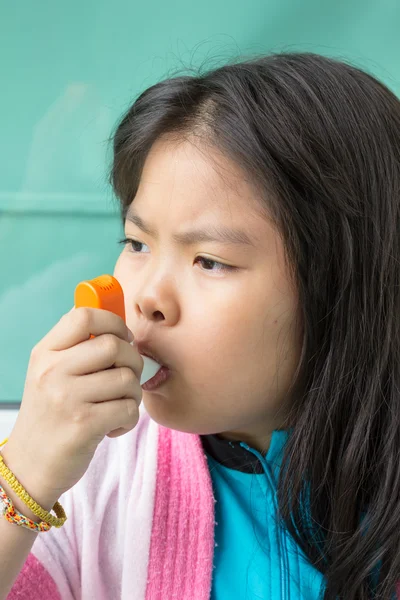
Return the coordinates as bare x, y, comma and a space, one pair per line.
102, 292
105, 292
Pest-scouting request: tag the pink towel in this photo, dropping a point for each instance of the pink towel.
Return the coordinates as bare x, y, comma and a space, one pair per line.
182, 539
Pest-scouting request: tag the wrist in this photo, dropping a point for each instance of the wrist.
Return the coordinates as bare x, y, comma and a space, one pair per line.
31, 484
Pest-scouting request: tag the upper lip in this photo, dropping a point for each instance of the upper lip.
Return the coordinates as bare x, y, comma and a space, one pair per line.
145, 349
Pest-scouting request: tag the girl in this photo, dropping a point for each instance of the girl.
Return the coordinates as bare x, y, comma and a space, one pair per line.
260, 267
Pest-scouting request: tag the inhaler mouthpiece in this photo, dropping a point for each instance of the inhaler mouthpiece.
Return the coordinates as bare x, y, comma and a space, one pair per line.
150, 368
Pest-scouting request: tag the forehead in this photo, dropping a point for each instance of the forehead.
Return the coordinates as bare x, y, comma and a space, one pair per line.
197, 181
186, 186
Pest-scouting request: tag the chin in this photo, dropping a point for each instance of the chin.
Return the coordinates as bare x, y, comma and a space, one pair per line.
172, 416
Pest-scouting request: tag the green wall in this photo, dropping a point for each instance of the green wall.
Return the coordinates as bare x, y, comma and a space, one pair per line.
67, 71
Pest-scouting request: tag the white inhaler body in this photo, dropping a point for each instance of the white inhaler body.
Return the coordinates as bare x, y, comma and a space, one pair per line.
150, 368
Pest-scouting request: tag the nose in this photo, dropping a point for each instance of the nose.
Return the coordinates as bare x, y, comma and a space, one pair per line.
158, 302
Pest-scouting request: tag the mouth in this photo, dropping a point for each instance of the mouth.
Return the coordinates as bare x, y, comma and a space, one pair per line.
159, 378
144, 351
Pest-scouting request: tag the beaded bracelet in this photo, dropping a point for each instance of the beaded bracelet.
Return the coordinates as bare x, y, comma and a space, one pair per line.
13, 516
46, 517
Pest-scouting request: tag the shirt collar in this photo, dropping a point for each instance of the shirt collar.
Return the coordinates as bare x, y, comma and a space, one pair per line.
232, 455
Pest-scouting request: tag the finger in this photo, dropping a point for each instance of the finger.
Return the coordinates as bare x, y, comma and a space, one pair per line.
118, 432
79, 324
100, 353
112, 384
114, 415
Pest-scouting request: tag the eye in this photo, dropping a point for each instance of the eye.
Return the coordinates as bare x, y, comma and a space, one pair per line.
132, 243
208, 263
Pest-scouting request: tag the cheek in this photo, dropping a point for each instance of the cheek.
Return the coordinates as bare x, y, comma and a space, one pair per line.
123, 273
252, 328
261, 342
118, 268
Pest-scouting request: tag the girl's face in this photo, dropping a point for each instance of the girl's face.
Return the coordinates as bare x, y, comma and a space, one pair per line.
221, 313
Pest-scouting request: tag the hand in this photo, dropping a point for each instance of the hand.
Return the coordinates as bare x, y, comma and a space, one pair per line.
77, 391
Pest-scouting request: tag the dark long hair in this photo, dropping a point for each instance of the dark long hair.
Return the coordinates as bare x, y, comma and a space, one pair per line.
321, 141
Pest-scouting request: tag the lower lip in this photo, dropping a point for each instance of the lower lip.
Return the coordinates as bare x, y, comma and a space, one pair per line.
159, 378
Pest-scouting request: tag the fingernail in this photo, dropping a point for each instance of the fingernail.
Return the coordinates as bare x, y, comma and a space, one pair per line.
130, 336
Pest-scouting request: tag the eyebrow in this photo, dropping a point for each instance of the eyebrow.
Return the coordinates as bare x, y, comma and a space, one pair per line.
213, 233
